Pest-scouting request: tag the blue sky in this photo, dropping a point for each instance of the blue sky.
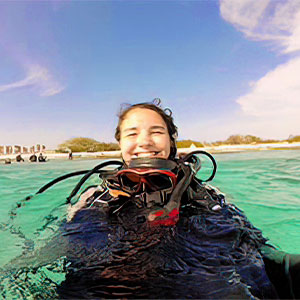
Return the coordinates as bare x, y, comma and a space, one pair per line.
223, 67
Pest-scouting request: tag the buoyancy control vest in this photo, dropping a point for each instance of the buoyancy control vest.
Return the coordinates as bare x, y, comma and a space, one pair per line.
212, 251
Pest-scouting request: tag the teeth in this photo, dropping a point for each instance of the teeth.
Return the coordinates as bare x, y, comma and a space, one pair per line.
145, 154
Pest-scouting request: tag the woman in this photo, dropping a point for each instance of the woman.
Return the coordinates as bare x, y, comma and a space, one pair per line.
143, 130
135, 239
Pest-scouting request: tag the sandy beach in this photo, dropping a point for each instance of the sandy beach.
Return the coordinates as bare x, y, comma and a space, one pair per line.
51, 154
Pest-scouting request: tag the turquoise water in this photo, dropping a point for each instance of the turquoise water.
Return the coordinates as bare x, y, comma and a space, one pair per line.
266, 185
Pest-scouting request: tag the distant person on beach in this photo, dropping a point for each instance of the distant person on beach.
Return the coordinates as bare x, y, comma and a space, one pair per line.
70, 155
7, 161
42, 158
33, 158
19, 158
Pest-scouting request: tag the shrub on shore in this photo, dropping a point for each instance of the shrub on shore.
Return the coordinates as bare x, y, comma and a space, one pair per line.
242, 139
82, 144
188, 143
294, 139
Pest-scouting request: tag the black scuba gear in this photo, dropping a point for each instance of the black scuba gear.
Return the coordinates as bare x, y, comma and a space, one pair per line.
145, 180
283, 270
153, 163
157, 163
164, 201
87, 173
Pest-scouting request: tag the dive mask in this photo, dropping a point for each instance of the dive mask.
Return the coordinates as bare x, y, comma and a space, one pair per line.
146, 180
145, 175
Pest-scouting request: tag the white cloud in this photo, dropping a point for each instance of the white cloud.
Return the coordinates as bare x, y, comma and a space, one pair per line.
39, 78
272, 106
213, 129
243, 14
266, 20
277, 93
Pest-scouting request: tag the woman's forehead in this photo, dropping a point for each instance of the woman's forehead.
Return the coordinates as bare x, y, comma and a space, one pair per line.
143, 116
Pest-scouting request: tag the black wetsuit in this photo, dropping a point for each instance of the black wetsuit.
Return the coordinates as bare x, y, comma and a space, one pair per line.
19, 158
283, 270
42, 158
33, 158
213, 251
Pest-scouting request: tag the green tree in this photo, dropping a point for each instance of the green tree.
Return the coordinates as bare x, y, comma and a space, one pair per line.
82, 144
242, 139
234, 140
270, 141
294, 139
188, 143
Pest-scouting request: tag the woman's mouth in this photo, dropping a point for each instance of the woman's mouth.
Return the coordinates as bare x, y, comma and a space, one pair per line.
145, 154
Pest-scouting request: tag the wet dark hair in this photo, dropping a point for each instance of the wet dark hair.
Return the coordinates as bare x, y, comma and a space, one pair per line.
166, 114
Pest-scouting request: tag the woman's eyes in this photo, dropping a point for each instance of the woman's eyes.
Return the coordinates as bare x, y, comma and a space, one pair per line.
131, 134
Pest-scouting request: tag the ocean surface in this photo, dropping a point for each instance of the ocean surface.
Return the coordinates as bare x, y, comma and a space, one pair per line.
265, 185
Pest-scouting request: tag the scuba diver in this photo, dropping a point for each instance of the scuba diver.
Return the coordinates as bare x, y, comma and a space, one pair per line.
42, 158
19, 158
7, 161
33, 158
152, 229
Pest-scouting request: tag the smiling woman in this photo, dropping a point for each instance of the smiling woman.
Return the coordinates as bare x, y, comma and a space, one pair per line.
145, 130
144, 134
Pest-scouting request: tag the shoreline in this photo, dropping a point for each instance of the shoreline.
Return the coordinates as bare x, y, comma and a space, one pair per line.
222, 149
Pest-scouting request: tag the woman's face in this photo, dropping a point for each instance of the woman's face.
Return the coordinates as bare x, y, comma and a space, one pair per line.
144, 133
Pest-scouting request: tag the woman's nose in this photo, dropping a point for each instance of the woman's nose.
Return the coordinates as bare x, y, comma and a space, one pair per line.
144, 139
